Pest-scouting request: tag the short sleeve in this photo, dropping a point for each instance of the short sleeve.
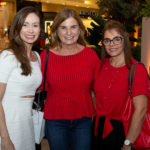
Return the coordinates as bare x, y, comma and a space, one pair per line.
7, 64
141, 81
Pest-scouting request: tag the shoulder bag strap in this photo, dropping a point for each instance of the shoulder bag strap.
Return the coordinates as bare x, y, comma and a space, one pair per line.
45, 69
131, 77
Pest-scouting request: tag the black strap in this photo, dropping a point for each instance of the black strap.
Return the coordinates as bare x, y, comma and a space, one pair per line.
45, 69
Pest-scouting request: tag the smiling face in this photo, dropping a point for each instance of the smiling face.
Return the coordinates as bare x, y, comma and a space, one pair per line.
30, 30
115, 48
68, 31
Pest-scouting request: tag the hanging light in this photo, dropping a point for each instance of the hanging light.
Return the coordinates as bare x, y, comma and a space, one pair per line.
2, 3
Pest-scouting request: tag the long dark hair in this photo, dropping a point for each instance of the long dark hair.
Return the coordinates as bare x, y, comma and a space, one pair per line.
112, 24
60, 17
16, 43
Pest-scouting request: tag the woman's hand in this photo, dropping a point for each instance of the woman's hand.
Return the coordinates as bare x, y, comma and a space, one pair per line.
6, 144
38, 91
126, 147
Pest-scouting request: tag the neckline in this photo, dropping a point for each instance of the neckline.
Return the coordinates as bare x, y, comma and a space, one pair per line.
121, 67
78, 53
33, 61
36, 57
29, 60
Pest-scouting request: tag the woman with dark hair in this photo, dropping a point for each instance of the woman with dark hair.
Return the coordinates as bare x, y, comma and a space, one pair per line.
112, 91
71, 73
20, 76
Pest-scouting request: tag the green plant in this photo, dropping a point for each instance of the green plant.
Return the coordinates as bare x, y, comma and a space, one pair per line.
145, 11
95, 36
136, 50
124, 11
95, 32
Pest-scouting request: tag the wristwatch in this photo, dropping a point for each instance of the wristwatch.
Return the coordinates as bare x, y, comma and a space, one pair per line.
128, 143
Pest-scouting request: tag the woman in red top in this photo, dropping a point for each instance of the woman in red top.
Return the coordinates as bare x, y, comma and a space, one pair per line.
112, 91
71, 73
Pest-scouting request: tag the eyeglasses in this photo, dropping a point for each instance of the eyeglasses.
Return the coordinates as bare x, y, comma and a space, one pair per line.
116, 40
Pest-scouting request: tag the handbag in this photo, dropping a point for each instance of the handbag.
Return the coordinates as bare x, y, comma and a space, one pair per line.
38, 106
143, 140
40, 97
39, 125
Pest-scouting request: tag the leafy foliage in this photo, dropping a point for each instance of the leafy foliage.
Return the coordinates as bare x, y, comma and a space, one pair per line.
145, 11
124, 11
136, 52
96, 31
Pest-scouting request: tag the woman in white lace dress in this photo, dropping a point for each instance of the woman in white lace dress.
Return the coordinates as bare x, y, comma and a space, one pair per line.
20, 76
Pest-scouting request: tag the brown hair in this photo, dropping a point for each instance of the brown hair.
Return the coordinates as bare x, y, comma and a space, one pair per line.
112, 24
16, 43
60, 17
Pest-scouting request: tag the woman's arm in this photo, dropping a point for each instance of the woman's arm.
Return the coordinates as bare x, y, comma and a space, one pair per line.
6, 143
140, 105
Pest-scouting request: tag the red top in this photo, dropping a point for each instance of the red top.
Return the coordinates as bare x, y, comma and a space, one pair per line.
70, 80
112, 91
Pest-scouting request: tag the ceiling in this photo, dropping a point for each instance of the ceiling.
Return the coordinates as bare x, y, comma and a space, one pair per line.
77, 3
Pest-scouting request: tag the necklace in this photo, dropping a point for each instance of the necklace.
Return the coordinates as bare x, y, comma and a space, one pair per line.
117, 64
64, 51
32, 56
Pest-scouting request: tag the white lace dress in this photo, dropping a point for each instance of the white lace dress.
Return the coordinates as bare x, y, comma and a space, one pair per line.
18, 110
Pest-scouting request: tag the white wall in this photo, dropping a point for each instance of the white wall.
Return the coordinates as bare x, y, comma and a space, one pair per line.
145, 51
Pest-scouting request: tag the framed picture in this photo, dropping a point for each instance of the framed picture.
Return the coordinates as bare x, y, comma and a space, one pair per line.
47, 26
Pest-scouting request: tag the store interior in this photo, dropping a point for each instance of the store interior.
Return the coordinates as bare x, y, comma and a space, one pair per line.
8, 9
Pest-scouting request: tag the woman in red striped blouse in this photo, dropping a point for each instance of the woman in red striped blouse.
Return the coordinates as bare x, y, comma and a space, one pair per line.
71, 73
